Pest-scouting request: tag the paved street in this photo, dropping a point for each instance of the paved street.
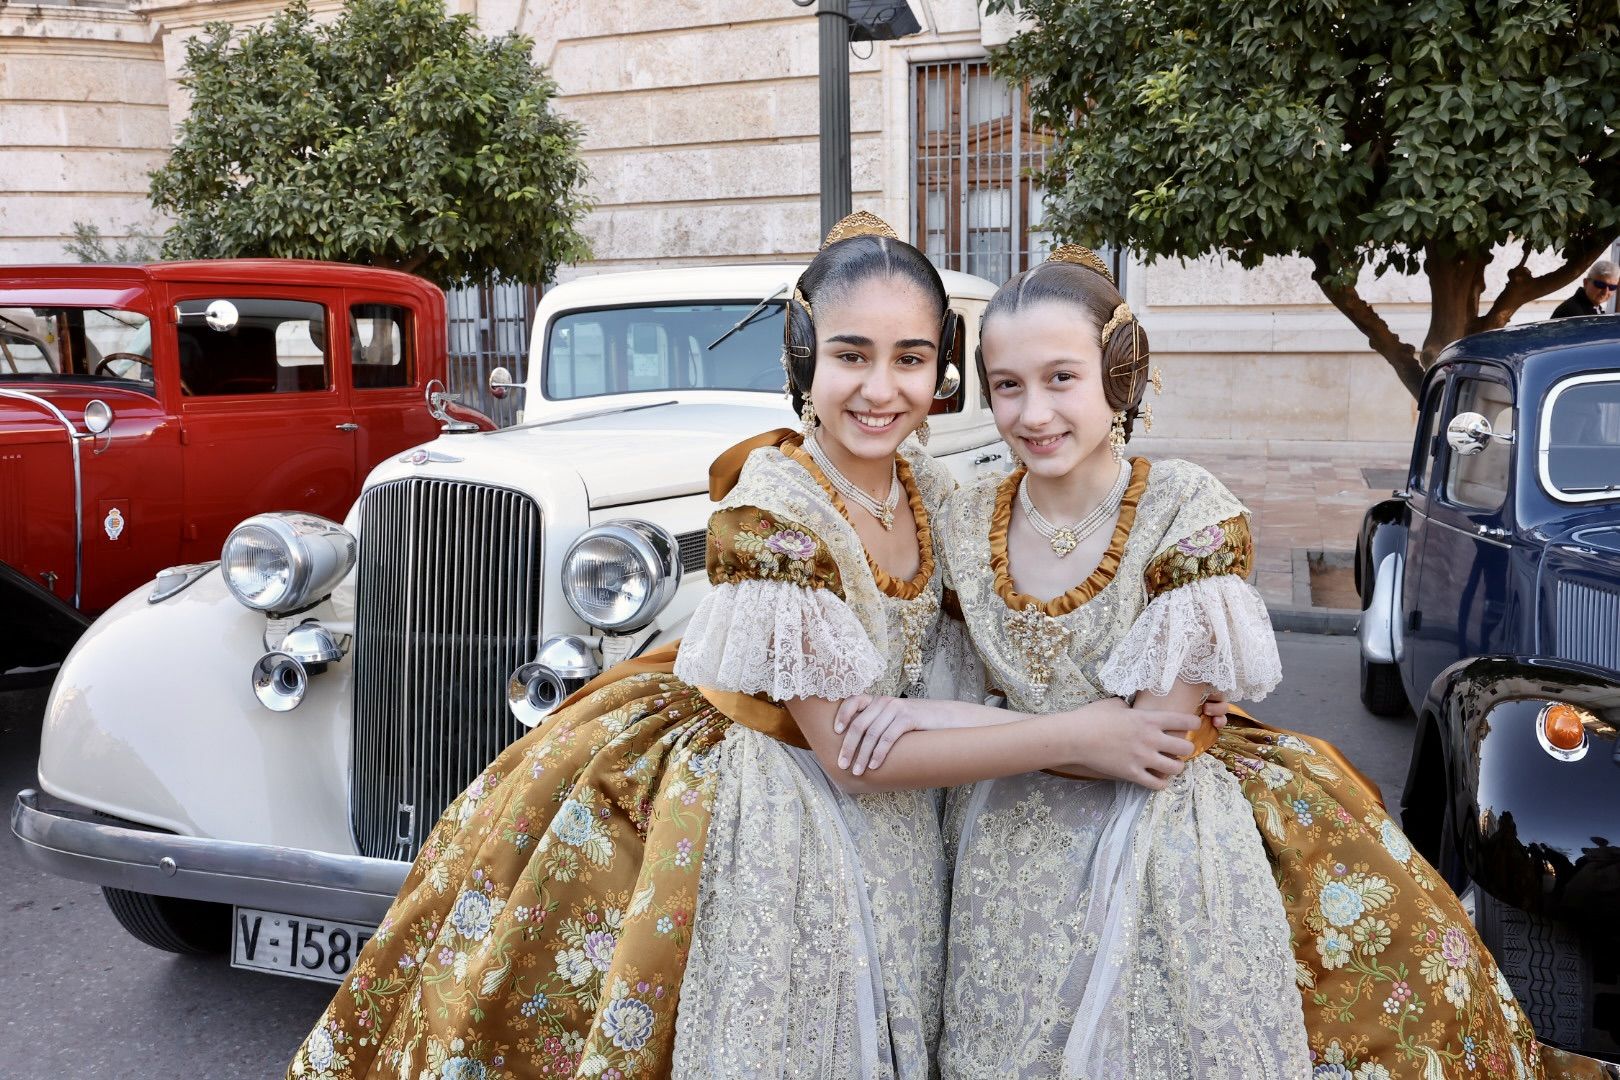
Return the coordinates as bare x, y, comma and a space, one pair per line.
87, 1001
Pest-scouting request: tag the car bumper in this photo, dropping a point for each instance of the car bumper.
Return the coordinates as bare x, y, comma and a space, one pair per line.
67, 840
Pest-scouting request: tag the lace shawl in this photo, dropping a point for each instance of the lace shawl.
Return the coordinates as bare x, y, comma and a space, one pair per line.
796, 610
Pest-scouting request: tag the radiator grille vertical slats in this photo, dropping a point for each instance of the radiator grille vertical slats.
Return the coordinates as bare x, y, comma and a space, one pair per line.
1588, 624
447, 607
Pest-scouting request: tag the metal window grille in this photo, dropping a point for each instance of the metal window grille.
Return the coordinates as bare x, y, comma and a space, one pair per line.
489, 327
977, 206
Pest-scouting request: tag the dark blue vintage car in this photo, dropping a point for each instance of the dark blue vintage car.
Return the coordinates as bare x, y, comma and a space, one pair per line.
1490, 589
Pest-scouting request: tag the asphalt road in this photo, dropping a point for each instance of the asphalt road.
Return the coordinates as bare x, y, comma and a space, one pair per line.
85, 1000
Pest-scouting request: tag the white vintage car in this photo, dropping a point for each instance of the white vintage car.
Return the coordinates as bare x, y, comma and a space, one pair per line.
277, 733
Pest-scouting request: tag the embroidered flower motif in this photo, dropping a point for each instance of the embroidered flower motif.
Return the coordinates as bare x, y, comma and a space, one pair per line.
628, 1022
1331, 1071
319, 1051
1334, 949
1372, 1072
664, 926
574, 966
599, 946
792, 543
1394, 841
1302, 812
1203, 543
1341, 905
472, 915
573, 823
463, 1068
683, 851
1454, 946
1457, 989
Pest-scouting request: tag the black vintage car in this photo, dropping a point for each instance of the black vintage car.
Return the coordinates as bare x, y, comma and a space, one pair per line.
1490, 589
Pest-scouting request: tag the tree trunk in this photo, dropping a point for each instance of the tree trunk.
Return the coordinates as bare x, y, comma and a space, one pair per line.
1401, 356
1456, 282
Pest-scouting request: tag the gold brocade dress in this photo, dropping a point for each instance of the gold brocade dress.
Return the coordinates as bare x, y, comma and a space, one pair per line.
1260, 917
661, 879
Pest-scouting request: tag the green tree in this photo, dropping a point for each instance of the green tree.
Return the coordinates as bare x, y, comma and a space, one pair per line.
90, 245
394, 136
1406, 135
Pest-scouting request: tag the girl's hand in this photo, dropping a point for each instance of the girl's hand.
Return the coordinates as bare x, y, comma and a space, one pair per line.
1216, 707
871, 724
1138, 744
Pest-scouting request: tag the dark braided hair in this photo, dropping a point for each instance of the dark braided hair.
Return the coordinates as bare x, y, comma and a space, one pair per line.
837, 269
1124, 357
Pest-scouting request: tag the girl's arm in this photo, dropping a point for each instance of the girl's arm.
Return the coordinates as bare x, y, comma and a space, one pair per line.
1142, 745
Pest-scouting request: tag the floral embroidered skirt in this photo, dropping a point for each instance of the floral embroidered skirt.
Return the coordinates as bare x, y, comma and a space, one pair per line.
563, 905
1395, 981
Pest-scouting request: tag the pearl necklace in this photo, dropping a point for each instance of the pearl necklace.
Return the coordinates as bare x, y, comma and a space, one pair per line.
1066, 539
883, 511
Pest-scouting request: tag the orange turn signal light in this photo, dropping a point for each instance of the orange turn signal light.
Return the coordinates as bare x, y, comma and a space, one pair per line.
1563, 726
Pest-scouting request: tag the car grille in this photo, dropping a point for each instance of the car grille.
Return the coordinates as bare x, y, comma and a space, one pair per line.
694, 550
1588, 625
448, 606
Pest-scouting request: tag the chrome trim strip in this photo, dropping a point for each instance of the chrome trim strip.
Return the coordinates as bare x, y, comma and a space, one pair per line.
349, 887
78, 483
1544, 435
1378, 622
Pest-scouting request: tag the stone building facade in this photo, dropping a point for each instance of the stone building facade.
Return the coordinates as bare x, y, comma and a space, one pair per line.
701, 132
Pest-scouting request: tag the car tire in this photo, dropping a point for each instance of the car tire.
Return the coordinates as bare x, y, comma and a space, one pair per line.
170, 923
1381, 689
1544, 962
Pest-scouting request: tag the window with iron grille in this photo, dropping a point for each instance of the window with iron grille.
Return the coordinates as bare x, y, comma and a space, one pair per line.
977, 206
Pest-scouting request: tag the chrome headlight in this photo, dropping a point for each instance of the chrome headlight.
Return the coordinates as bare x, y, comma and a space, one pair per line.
285, 561
620, 575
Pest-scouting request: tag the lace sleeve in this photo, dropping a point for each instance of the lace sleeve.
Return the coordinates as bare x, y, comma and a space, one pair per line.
783, 640
1210, 630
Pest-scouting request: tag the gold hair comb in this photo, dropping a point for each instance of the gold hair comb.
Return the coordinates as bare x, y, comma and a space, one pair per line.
860, 223
1080, 255
1122, 315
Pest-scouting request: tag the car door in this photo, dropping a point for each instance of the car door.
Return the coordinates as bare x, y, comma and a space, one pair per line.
1463, 589
1420, 491
265, 425
382, 352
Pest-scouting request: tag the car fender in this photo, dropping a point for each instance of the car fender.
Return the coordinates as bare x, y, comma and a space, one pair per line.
1537, 832
153, 719
1380, 570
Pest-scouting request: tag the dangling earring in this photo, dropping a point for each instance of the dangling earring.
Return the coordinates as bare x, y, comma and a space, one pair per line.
922, 432
1116, 436
807, 417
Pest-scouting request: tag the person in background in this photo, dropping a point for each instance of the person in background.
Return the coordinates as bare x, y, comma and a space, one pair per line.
1592, 294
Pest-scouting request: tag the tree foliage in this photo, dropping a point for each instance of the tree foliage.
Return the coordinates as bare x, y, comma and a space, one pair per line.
90, 245
1406, 135
395, 136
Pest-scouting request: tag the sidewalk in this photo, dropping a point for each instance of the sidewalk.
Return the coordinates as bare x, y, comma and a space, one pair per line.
1307, 499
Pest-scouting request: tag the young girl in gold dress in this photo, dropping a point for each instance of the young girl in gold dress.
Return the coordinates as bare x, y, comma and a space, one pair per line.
674, 835
1261, 915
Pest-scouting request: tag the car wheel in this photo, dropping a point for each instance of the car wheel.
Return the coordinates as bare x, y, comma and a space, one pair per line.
1545, 964
1381, 689
170, 923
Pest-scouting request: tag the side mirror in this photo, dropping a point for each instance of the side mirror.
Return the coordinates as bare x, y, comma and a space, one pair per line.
98, 417
221, 315
951, 383
501, 384
1469, 433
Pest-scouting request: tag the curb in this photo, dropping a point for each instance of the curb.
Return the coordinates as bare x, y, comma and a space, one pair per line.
1315, 620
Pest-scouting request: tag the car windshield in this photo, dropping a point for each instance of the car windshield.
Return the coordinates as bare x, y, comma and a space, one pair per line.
1582, 439
82, 344
664, 347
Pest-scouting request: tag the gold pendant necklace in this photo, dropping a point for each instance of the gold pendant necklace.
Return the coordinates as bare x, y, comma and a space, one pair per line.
1066, 538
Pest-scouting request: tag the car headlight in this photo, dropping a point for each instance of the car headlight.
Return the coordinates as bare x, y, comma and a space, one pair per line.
285, 561
620, 575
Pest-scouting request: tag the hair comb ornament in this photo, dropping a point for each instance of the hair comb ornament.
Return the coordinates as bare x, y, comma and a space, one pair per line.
860, 223
1080, 255
1122, 315
799, 296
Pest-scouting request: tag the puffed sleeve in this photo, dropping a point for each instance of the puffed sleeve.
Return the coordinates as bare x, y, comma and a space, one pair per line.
1203, 622
775, 621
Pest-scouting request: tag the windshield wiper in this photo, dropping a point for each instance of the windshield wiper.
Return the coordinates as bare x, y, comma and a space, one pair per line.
744, 321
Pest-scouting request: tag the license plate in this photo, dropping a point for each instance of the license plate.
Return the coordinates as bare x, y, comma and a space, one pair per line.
305, 948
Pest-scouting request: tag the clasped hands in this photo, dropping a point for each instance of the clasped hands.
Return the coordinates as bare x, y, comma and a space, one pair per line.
1141, 744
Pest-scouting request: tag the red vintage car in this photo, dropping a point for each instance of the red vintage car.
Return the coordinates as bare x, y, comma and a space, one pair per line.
146, 410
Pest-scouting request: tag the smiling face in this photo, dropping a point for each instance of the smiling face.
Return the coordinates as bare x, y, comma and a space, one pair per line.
1043, 366
877, 358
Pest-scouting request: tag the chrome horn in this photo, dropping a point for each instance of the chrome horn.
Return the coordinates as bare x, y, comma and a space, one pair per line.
279, 682
282, 675
563, 665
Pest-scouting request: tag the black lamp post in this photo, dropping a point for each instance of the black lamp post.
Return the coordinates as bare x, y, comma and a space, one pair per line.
839, 23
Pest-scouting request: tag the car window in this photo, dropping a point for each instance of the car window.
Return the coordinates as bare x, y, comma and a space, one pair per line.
81, 344
1480, 481
379, 344
664, 347
1428, 448
1581, 440
275, 347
